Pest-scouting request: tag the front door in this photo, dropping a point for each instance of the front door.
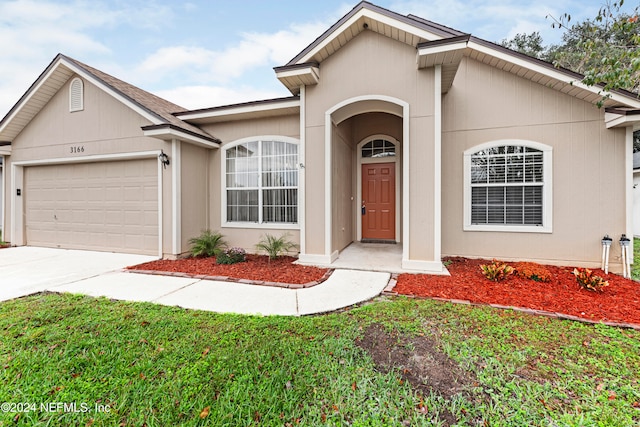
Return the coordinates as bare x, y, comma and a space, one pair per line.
379, 201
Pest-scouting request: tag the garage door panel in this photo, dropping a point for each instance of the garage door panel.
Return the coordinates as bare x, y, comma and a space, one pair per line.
110, 206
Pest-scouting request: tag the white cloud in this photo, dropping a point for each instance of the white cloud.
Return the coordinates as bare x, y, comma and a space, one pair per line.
252, 50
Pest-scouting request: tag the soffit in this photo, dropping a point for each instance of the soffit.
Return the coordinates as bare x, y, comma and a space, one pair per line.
38, 95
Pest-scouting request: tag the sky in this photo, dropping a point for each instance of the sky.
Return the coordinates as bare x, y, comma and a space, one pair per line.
206, 53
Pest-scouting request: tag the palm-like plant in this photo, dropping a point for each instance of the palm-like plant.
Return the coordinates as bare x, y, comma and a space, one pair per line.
207, 244
275, 246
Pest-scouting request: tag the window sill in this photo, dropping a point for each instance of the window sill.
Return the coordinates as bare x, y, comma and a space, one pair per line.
509, 228
266, 225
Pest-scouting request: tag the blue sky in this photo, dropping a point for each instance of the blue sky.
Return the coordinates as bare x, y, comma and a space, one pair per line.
206, 53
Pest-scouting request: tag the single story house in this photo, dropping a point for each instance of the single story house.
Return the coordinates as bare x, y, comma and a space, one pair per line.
397, 129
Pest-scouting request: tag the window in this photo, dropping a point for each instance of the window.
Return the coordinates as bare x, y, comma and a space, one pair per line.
507, 187
76, 95
378, 148
261, 182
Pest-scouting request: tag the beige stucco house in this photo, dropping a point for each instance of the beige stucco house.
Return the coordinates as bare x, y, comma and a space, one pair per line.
398, 130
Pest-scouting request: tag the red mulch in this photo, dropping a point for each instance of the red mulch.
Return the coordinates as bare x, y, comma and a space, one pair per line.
618, 302
257, 267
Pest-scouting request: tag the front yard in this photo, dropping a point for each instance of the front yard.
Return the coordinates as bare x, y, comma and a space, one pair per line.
395, 361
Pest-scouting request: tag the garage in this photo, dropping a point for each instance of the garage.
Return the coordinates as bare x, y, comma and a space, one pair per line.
104, 206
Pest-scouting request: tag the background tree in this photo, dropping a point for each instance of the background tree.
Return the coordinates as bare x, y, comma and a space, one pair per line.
529, 44
605, 49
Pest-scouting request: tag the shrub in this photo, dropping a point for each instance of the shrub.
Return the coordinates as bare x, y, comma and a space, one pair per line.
231, 256
497, 270
533, 271
275, 246
588, 280
207, 244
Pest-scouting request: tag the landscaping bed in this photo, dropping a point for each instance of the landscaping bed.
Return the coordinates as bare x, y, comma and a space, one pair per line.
256, 267
618, 302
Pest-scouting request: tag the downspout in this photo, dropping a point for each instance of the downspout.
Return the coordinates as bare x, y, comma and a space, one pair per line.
301, 173
628, 177
4, 195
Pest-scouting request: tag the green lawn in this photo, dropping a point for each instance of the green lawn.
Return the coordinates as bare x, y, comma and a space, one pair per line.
163, 366
635, 267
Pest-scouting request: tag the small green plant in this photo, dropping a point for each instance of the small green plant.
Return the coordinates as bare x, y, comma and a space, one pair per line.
2, 242
275, 246
231, 256
588, 280
207, 244
497, 270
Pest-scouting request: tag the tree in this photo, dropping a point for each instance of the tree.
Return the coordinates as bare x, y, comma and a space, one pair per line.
606, 49
529, 44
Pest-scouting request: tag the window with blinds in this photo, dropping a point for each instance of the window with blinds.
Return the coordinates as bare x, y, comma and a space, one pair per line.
507, 186
262, 182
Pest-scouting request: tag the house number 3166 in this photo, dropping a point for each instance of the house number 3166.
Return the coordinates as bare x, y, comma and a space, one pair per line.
78, 149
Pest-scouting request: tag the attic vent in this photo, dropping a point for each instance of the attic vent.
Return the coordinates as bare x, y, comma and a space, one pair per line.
76, 95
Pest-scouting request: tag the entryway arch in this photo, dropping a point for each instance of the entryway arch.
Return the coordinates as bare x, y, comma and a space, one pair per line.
338, 114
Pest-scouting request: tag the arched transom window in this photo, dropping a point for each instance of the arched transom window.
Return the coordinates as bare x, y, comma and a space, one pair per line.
261, 181
508, 185
378, 148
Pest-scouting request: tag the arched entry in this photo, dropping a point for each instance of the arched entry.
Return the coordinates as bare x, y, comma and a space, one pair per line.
334, 206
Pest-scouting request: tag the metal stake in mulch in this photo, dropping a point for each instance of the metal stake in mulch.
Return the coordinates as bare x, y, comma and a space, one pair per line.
626, 261
606, 246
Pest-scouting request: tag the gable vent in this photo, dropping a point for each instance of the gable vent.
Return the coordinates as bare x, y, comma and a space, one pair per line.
76, 95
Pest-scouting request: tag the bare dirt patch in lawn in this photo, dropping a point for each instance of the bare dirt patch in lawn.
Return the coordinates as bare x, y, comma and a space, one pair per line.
420, 361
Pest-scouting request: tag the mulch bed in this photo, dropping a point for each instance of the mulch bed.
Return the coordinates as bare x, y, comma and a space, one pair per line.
256, 267
618, 302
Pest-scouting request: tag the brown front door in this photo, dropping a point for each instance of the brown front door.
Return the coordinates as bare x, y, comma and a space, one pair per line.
379, 201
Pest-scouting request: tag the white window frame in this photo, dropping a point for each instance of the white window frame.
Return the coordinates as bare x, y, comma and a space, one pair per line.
223, 185
76, 85
547, 189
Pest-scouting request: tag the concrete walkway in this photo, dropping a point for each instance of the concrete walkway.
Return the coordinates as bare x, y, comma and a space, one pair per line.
24, 271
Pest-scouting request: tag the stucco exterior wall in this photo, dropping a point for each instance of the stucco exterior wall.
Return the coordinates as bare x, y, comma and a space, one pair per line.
486, 104
228, 132
193, 192
342, 187
104, 126
372, 65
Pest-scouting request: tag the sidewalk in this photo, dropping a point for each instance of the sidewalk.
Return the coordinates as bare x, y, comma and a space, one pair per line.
343, 289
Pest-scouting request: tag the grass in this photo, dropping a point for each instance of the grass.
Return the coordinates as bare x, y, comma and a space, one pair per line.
159, 366
635, 267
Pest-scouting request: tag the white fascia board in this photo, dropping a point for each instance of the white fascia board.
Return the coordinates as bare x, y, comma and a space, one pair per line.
168, 134
34, 90
376, 17
245, 109
126, 101
551, 73
430, 50
612, 120
314, 72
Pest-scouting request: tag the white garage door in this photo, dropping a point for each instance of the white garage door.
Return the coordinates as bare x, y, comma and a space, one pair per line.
106, 206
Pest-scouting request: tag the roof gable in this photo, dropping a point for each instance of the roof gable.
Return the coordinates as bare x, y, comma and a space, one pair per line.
155, 109
436, 45
366, 16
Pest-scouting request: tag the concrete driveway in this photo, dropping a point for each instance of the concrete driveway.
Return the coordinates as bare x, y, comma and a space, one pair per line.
26, 270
